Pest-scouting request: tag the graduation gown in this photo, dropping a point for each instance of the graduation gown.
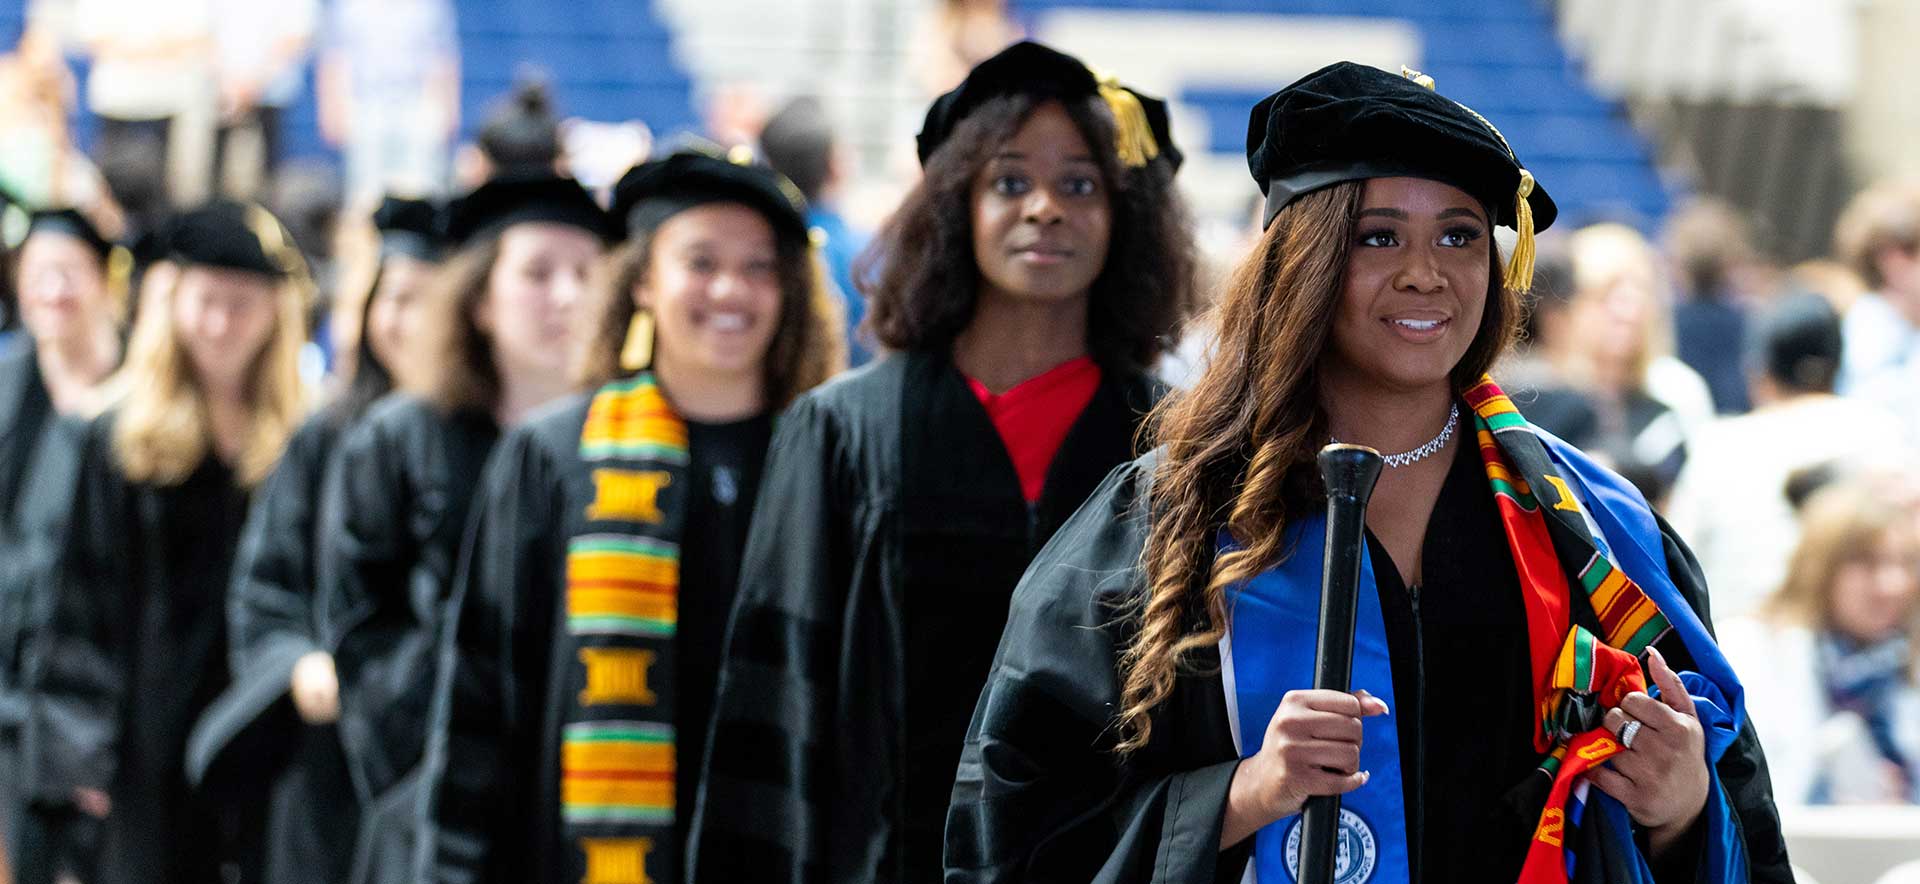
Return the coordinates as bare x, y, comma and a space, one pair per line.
392, 517
1040, 795
890, 533
494, 755
26, 416
134, 652
253, 731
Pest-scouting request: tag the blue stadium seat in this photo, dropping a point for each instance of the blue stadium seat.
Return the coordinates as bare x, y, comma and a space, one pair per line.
1500, 57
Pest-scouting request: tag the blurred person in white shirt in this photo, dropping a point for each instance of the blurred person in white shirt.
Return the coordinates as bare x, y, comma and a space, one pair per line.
1829, 660
1730, 501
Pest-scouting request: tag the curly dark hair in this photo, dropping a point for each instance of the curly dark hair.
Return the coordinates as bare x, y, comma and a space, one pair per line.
919, 274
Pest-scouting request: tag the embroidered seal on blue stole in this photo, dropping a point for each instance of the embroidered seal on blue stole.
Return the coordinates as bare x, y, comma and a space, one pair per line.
1354, 856
1270, 648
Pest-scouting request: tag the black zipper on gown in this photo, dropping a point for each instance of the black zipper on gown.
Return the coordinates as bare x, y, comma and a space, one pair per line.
1415, 830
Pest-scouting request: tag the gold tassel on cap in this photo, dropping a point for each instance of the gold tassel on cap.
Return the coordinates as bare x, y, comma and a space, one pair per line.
1520, 266
120, 279
1133, 135
637, 352
1417, 77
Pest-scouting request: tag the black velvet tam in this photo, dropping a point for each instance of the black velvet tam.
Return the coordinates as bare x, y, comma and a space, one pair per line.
236, 236
654, 191
411, 227
1028, 68
507, 200
1347, 122
70, 222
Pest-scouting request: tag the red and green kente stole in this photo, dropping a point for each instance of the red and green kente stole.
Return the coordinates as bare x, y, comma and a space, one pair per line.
1567, 661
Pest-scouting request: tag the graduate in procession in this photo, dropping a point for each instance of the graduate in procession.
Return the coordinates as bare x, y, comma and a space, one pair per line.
1026, 286
607, 538
72, 288
495, 332
136, 647
1539, 693
277, 720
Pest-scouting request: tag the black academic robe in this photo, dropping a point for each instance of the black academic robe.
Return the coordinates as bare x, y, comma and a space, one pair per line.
890, 533
392, 518
253, 731
26, 415
494, 756
1040, 795
134, 652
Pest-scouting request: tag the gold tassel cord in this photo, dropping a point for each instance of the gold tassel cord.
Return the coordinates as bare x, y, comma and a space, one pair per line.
637, 351
1417, 77
120, 279
1520, 266
1133, 135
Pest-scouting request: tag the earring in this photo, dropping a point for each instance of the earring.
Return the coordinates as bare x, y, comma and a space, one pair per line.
637, 352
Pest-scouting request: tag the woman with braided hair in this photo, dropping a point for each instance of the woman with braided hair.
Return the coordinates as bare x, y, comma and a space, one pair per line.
1149, 715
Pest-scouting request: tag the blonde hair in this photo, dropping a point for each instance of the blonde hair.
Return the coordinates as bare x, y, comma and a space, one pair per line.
1603, 254
1884, 216
162, 431
1839, 525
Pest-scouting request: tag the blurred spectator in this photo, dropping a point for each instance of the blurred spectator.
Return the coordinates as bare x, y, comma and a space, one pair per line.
1829, 662
389, 93
151, 88
1879, 234
259, 65
799, 142
1532, 369
1645, 401
1832, 280
1710, 246
955, 36
38, 160
1730, 502
521, 136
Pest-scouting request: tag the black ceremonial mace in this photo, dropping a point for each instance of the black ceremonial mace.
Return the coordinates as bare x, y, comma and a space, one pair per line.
1349, 472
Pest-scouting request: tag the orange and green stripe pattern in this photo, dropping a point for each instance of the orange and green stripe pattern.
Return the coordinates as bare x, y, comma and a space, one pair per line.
621, 585
632, 420
617, 752
617, 771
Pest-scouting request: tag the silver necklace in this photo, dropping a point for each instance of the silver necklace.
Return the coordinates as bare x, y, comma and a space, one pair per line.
1433, 445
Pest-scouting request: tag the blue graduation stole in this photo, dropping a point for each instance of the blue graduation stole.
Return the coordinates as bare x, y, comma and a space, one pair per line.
1273, 619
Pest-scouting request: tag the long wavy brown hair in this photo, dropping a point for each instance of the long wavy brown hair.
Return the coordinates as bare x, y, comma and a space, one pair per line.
1238, 448
919, 274
806, 349
454, 368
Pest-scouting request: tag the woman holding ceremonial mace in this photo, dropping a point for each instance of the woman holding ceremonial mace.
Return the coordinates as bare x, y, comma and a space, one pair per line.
1559, 710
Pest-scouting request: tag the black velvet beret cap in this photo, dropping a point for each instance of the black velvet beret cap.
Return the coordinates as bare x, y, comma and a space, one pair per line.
69, 222
656, 190
1347, 122
1142, 129
511, 199
236, 236
410, 227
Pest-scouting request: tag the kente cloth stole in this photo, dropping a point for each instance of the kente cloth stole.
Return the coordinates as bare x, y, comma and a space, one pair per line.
1577, 676
623, 578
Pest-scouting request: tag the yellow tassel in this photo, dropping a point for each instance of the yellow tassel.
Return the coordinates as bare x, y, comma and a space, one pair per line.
119, 279
1133, 135
637, 352
1417, 77
1520, 266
